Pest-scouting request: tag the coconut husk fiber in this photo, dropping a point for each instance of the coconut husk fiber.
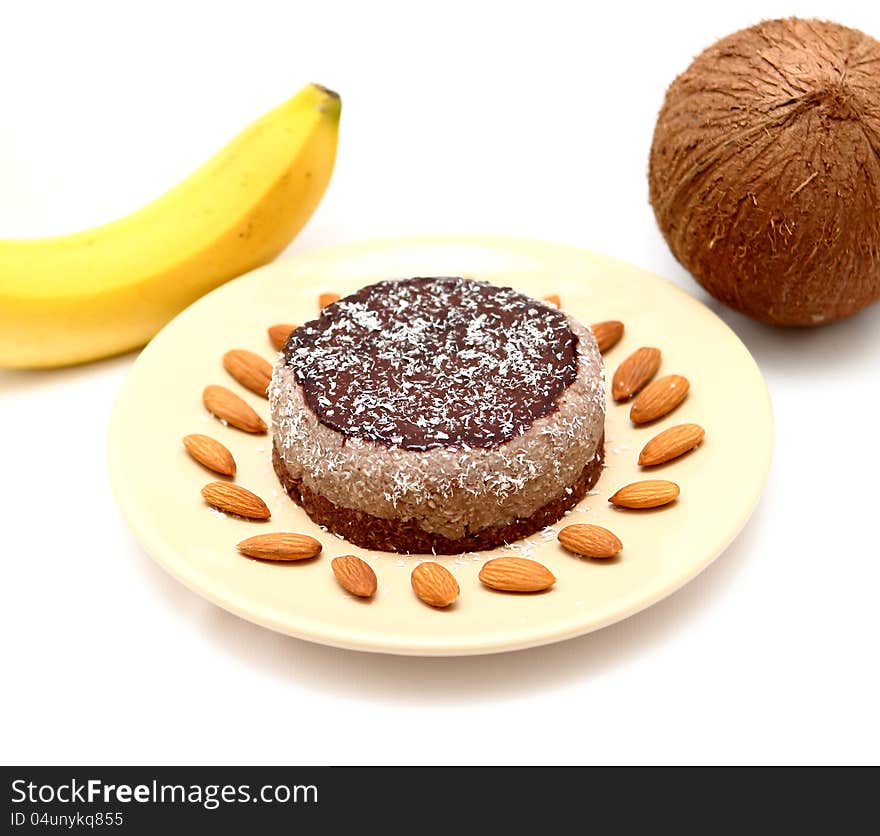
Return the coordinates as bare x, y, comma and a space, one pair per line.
765, 171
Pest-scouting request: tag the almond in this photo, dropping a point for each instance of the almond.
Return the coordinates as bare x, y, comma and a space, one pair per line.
434, 584
659, 398
590, 540
280, 546
554, 299
634, 373
651, 493
355, 575
229, 407
327, 299
278, 335
607, 334
233, 499
516, 574
249, 369
671, 443
210, 453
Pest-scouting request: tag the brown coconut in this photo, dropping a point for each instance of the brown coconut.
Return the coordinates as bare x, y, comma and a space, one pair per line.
765, 171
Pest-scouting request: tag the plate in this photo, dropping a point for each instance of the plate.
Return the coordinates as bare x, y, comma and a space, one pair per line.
157, 485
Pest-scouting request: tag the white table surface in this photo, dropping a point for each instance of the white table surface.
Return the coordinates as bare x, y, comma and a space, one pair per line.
469, 117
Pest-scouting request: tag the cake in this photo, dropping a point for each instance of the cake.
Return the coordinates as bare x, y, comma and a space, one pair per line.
438, 414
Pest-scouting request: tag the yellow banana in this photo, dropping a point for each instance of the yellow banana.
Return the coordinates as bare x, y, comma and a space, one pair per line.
107, 290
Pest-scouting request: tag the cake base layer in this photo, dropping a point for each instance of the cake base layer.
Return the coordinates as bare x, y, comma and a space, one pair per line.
408, 537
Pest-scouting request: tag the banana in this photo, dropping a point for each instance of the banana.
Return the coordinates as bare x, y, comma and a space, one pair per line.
108, 290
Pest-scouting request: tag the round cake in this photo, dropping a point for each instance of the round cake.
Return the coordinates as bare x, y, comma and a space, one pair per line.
438, 415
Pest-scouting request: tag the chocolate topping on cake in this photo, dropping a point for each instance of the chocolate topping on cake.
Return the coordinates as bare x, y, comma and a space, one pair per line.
433, 362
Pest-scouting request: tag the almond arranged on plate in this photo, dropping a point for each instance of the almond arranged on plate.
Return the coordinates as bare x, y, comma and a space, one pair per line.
249, 369
590, 541
232, 409
671, 443
659, 398
233, 499
608, 334
280, 546
554, 299
634, 373
651, 493
355, 575
327, 299
516, 574
278, 335
210, 453
434, 584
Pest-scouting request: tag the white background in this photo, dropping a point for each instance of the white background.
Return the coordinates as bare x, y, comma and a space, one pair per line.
456, 118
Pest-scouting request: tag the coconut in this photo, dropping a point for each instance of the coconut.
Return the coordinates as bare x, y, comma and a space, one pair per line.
765, 171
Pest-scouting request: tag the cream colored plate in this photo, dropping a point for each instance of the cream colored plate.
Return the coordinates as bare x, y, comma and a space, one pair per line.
157, 485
